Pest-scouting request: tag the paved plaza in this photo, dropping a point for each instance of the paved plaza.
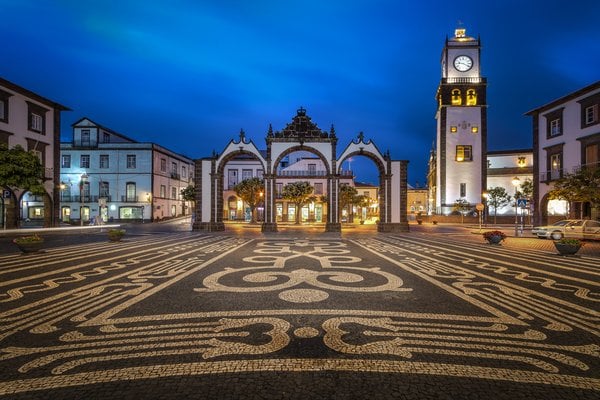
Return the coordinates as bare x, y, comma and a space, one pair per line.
300, 315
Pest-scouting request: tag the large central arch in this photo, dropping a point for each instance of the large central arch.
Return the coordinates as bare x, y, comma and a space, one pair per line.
301, 134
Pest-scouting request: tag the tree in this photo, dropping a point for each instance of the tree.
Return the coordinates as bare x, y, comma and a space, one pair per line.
362, 201
347, 197
581, 186
250, 191
189, 194
463, 207
498, 198
20, 169
298, 193
526, 192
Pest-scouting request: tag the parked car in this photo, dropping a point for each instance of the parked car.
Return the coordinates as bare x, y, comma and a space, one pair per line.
574, 228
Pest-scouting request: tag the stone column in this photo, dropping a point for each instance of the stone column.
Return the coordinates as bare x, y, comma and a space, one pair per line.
333, 217
270, 224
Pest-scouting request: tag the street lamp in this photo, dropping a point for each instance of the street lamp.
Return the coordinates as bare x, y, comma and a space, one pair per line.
82, 182
515, 183
485, 196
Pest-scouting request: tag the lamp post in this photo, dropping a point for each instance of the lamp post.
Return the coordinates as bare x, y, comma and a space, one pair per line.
485, 196
149, 201
515, 183
82, 182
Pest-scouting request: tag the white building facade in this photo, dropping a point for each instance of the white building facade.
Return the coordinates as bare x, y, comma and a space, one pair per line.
33, 122
566, 137
106, 176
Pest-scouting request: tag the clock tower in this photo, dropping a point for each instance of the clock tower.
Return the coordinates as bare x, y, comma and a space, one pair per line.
461, 142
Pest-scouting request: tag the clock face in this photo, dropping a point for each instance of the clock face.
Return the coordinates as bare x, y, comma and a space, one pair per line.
463, 63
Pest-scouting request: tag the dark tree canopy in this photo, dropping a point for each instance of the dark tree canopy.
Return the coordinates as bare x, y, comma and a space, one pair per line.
298, 193
250, 191
20, 169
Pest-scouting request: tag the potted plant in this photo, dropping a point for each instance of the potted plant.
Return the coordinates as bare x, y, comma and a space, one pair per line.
30, 243
434, 222
419, 218
568, 246
115, 235
494, 237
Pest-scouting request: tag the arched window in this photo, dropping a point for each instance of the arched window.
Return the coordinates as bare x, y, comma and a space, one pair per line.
471, 97
456, 99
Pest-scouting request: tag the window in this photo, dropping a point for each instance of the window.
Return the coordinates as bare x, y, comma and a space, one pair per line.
456, 99
589, 110
130, 192
246, 174
463, 190
84, 161
131, 161
464, 153
36, 118
471, 97
173, 192
312, 169
591, 114
318, 188
85, 137
555, 166
65, 161
163, 165
555, 127
278, 189
183, 171
554, 123
103, 160
453, 129
163, 191
592, 155
474, 129
174, 168
259, 173
232, 178
4, 101
103, 189
3, 107
35, 122
105, 138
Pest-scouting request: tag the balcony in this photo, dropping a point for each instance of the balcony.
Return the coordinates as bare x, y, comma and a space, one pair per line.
295, 173
129, 199
175, 175
465, 80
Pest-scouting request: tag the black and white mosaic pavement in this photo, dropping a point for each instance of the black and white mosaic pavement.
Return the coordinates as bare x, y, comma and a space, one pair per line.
212, 316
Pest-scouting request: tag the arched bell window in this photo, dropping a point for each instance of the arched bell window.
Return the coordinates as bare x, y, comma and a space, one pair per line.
471, 97
456, 98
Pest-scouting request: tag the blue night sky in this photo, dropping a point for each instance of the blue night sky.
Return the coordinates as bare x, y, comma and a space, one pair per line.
189, 75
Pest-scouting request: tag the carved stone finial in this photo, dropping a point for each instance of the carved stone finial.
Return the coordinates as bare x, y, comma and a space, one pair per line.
301, 111
270, 131
361, 137
242, 136
332, 131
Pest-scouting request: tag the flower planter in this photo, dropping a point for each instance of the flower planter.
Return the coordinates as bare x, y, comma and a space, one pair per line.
29, 244
115, 235
494, 239
566, 249
30, 247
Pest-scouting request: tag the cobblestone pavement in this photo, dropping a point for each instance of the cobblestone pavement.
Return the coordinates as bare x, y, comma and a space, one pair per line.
196, 316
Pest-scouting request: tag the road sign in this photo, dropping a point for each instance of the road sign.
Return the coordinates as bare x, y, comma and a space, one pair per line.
522, 203
479, 207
